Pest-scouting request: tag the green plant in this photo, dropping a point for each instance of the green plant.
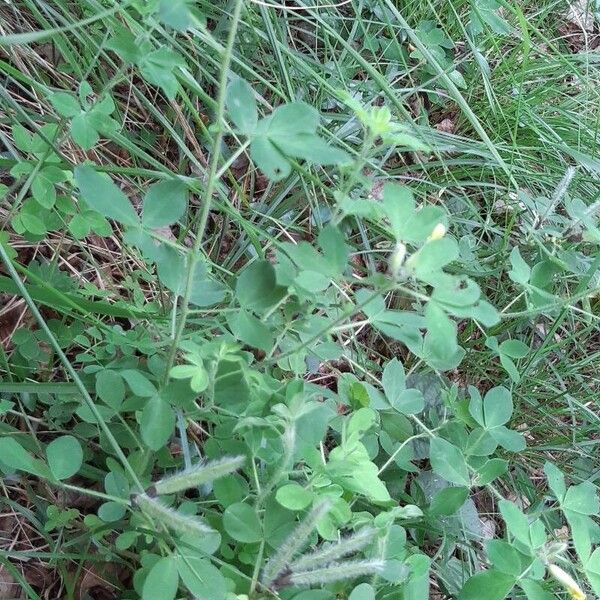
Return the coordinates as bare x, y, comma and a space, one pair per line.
289, 338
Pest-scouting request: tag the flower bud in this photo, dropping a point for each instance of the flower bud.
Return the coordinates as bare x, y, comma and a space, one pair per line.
567, 582
439, 231
397, 259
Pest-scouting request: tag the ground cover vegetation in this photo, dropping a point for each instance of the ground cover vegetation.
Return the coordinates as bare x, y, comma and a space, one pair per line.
299, 301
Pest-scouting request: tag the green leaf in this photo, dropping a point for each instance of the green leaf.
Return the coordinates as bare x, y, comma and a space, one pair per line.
456, 294
162, 581
417, 586
556, 480
520, 271
408, 224
242, 524
65, 456
312, 281
581, 527
310, 147
42, 188
33, 224
294, 496
504, 557
497, 406
164, 203
250, 330
124, 43
582, 499
447, 501
139, 384
485, 313
592, 570
486, 12
440, 347
202, 579
290, 131
199, 381
509, 439
492, 469
176, 14
110, 512
230, 489
83, 132
408, 402
79, 227
13, 455
516, 522
65, 104
291, 119
363, 591
399, 206
490, 584
197, 375
269, 159
256, 287
157, 423
241, 106
335, 250
448, 462
534, 591
205, 290
110, 388
361, 421
116, 484
103, 196
510, 367
393, 380
514, 348
432, 258
22, 137
158, 67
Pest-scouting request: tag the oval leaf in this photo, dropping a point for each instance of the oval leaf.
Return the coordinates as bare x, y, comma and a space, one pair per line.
103, 196
241, 523
65, 456
162, 581
157, 423
164, 203
448, 462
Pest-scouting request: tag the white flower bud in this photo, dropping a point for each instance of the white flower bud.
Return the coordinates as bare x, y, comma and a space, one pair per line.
567, 582
397, 259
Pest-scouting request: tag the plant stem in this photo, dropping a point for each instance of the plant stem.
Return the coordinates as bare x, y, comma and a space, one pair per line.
194, 254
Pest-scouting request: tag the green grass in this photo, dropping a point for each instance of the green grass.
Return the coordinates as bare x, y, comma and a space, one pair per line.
499, 117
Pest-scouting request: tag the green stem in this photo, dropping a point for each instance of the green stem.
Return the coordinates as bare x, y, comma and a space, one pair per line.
194, 254
257, 565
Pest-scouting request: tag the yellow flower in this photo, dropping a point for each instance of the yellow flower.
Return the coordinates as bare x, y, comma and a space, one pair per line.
439, 231
567, 582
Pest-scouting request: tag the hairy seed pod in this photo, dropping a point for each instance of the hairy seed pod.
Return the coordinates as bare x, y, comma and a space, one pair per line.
198, 475
338, 571
170, 518
331, 552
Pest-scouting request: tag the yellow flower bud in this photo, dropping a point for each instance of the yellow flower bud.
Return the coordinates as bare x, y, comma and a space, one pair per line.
567, 582
439, 231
